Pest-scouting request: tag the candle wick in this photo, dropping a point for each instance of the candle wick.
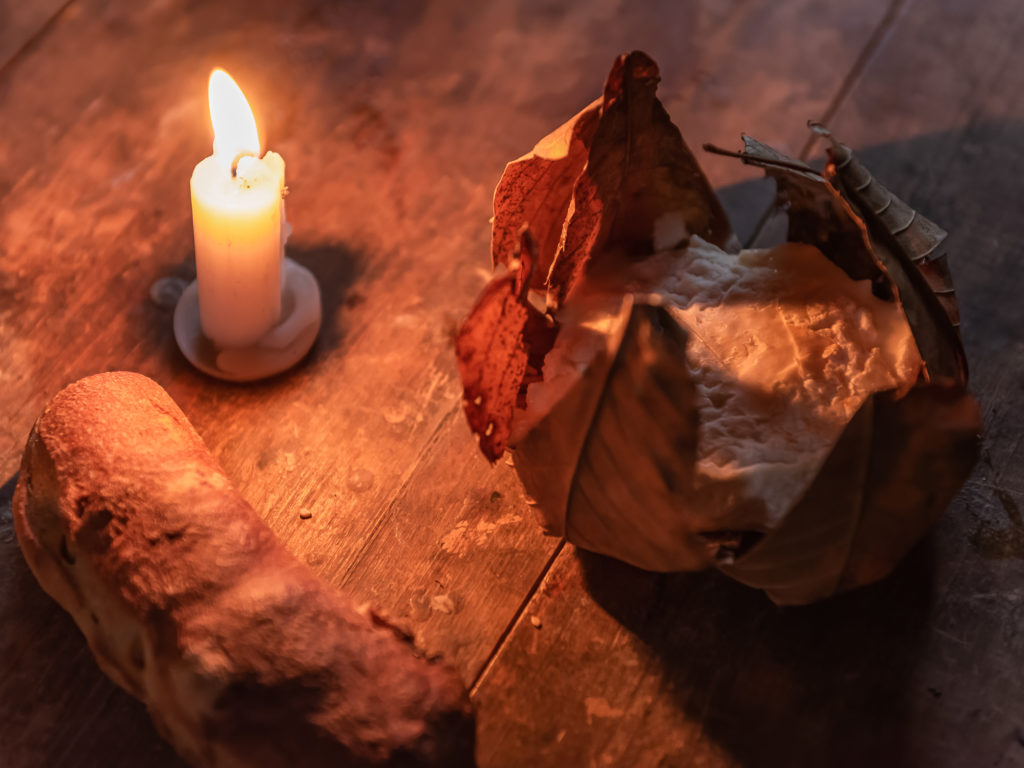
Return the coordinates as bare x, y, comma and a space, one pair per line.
234, 163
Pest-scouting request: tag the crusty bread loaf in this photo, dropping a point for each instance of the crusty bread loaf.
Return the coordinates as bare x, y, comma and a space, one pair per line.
189, 602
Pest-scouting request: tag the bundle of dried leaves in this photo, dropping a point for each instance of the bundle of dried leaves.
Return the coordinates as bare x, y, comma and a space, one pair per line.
796, 417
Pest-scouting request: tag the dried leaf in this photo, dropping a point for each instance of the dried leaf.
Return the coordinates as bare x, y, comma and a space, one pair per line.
641, 183
535, 191
500, 349
823, 213
639, 407
560, 438
647, 421
908, 245
921, 240
923, 447
817, 215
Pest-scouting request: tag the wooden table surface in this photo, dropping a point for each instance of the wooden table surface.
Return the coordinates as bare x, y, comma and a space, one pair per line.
395, 119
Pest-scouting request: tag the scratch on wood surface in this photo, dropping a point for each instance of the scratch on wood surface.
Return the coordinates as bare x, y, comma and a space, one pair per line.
1001, 543
455, 541
407, 475
599, 707
951, 636
360, 480
461, 538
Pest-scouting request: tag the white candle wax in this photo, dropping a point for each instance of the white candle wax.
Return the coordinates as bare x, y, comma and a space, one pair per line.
238, 223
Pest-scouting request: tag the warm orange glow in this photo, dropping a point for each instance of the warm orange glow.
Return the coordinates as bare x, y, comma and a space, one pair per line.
234, 127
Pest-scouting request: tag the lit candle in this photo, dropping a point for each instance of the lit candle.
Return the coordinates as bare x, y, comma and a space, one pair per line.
238, 223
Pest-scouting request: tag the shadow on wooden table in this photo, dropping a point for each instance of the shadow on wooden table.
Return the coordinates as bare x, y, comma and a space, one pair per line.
841, 683
337, 269
811, 686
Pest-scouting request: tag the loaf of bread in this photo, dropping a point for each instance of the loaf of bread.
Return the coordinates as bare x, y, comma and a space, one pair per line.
244, 657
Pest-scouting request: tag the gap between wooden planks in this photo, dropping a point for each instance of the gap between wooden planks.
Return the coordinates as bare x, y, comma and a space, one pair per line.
22, 23
762, 230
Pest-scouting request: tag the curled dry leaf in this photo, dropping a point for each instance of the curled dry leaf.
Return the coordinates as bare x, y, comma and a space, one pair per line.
537, 188
918, 239
855, 221
795, 417
641, 189
817, 214
640, 392
501, 349
614, 181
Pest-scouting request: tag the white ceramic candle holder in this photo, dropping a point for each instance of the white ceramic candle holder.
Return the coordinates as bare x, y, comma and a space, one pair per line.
282, 346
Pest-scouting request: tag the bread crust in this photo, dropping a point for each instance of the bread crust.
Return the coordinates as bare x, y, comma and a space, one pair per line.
243, 656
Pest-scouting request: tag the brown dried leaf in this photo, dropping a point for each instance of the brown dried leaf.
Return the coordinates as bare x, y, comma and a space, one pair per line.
909, 246
922, 450
639, 455
635, 408
500, 349
535, 191
639, 175
822, 213
918, 238
899, 461
817, 215
546, 458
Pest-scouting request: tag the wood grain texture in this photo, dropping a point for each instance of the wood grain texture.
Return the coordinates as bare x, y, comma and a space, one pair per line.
922, 669
395, 120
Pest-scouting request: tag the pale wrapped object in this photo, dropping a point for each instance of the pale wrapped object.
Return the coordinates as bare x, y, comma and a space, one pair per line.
795, 417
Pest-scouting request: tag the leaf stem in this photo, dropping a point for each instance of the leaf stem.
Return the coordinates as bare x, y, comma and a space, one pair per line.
756, 160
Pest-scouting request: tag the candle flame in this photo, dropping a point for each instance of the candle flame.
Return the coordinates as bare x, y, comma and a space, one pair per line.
234, 126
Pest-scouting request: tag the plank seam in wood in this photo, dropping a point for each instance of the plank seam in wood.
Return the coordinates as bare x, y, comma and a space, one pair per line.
403, 487
859, 65
33, 38
492, 657
846, 87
